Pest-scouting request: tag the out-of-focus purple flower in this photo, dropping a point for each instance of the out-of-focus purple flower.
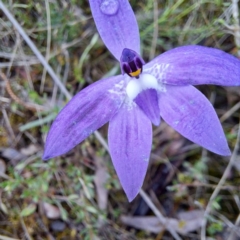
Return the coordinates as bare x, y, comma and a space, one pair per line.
131, 102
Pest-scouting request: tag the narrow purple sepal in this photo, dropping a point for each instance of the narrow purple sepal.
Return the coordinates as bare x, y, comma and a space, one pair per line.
116, 24
90, 109
189, 112
130, 140
147, 100
196, 65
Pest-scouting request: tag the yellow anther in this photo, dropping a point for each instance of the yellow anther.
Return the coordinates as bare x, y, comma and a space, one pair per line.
136, 73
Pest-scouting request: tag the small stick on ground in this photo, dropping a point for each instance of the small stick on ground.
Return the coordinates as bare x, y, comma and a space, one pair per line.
158, 214
29, 106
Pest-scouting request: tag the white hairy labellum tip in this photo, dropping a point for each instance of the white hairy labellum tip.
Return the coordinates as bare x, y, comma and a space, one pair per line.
145, 81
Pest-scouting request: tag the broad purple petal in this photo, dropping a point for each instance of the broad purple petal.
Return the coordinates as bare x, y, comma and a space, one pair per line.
147, 100
90, 109
196, 65
189, 112
130, 140
116, 24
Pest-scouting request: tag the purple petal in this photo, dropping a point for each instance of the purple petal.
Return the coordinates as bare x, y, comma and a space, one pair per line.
196, 65
189, 112
130, 140
147, 100
90, 109
116, 24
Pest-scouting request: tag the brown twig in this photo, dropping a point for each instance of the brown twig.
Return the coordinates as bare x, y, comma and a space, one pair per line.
29, 106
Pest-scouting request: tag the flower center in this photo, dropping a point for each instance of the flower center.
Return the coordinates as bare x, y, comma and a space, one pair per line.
131, 63
145, 81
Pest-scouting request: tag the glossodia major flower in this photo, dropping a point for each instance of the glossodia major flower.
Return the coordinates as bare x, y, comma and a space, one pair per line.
141, 95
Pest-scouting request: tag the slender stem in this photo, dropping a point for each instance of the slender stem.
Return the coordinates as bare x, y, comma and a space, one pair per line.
158, 214
235, 14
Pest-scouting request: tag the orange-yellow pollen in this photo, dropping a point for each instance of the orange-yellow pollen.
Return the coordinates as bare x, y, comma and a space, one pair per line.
136, 73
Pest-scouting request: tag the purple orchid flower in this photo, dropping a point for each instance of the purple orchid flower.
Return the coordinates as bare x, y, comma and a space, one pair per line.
131, 102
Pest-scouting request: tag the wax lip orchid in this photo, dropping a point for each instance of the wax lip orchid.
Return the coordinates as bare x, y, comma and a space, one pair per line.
131, 102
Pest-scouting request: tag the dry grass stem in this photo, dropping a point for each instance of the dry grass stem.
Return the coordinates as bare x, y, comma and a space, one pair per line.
158, 214
35, 50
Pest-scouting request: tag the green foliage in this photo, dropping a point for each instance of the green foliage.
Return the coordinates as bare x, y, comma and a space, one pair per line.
30, 209
215, 227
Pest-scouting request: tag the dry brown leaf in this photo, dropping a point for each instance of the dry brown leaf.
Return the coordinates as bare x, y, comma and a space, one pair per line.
191, 221
51, 211
150, 224
29, 150
187, 222
12, 155
100, 180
